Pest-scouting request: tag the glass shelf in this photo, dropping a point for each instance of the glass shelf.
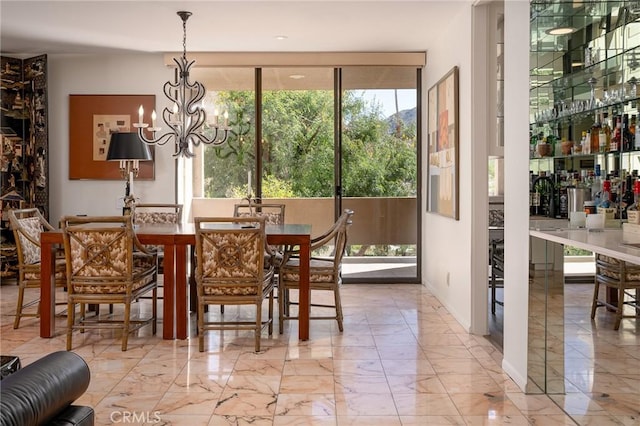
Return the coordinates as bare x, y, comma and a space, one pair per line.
600, 59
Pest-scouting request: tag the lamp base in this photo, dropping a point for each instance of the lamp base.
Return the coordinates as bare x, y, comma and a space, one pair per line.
129, 203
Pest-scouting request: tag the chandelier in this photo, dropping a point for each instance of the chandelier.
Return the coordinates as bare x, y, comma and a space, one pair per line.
187, 120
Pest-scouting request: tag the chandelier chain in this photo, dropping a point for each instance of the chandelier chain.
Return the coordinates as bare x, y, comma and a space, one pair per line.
184, 37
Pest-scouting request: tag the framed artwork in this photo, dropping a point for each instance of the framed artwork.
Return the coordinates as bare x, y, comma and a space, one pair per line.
443, 149
92, 119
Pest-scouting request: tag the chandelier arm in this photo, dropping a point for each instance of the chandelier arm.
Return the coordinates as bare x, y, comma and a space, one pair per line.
198, 119
168, 88
161, 140
218, 137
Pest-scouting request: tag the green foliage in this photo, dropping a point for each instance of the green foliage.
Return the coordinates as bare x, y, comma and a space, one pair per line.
575, 251
379, 155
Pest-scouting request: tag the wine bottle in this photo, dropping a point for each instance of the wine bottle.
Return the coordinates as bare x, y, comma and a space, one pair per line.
627, 198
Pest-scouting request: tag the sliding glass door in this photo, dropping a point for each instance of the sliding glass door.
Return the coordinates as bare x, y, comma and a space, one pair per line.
379, 151
298, 142
320, 140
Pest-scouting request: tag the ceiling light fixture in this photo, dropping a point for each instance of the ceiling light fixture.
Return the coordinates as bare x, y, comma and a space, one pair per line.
296, 76
561, 31
187, 119
281, 37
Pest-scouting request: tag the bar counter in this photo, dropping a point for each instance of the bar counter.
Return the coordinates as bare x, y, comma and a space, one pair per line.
611, 242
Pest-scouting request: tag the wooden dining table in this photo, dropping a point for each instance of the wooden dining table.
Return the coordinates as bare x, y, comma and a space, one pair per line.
176, 239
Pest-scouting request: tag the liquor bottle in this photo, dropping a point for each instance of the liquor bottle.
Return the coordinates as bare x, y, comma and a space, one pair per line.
596, 187
627, 199
563, 200
616, 138
543, 186
586, 142
632, 131
595, 132
627, 136
605, 196
604, 135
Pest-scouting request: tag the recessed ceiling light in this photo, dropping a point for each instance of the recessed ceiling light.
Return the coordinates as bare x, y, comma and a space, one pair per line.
561, 30
281, 37
296, 76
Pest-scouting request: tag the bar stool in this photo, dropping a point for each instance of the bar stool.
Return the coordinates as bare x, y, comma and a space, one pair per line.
622, 277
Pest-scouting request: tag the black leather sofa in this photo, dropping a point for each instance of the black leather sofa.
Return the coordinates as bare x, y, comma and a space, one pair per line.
42, 393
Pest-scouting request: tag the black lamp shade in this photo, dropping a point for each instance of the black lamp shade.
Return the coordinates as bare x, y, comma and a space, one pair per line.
127, 146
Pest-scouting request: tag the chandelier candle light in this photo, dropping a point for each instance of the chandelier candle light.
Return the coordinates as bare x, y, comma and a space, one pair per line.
187, 120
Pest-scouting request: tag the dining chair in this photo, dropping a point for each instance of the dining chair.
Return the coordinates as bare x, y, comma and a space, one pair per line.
27, 224
622, 277
102, 268
496, 261
157, 213
325, 271
230, 270
274, 213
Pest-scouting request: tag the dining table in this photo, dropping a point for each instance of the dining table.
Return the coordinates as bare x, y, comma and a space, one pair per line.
176, 239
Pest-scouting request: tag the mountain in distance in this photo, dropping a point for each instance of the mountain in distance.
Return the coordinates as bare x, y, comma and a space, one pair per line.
407, 116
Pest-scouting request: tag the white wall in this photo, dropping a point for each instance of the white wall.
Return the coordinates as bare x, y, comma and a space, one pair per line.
100, 75
516, 132
447, 242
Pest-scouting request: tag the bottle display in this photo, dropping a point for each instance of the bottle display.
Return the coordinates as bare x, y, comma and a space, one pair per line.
588, 113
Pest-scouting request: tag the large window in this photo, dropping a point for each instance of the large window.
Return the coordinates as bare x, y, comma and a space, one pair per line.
329, 139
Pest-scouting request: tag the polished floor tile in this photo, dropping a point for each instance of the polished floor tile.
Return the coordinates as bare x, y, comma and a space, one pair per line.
401, 360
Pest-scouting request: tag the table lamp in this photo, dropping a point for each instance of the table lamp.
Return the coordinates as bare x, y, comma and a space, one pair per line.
129, 149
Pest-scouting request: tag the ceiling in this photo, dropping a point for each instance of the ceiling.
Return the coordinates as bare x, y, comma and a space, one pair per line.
80, 26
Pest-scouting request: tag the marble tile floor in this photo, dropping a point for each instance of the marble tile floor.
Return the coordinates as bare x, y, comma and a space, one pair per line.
402, 360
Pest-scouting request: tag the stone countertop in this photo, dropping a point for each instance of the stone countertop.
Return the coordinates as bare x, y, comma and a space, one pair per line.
610, 242
547, 223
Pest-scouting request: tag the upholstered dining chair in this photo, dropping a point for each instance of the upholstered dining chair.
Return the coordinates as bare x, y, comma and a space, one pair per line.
624, 278
325, 271
230, 270
102, 268
274, 213
27, 224
158, 213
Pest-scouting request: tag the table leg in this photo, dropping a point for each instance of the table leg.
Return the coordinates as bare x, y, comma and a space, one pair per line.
47, 290
168, 292
305, 293
182, 311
